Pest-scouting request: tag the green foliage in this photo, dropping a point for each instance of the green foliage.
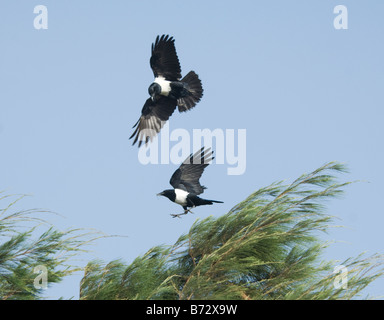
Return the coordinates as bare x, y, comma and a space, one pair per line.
146, 277
266, 247
23, 247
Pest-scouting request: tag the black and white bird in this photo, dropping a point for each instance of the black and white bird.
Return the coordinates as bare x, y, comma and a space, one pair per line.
185, 182
167, 91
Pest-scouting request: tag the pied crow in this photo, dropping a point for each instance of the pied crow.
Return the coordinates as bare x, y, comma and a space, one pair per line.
167, 91
185, 182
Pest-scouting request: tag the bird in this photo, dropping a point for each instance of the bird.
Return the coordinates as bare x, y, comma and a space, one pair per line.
168, 90
185, 182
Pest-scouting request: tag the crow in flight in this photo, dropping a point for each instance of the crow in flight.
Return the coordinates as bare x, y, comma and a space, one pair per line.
185, 182
167, 91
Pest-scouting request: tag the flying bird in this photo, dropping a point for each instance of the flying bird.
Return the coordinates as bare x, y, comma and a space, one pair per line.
185, 182
167, 91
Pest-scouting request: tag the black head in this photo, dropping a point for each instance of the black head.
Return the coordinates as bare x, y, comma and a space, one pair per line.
154, 90
170, 194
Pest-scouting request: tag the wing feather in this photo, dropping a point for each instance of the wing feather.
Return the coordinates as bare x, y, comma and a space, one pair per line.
164, 61
187, 176
153, 117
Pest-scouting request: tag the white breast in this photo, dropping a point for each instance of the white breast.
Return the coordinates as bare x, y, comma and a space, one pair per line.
181, 197
164, 84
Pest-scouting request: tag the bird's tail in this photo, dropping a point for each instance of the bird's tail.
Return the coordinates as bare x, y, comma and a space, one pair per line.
205, 201
194, 89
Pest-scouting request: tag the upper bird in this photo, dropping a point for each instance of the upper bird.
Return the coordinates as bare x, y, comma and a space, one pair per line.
167, 91
185, 182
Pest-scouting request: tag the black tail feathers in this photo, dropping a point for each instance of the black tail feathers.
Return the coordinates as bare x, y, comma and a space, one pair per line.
194, 89
202, 202
214, 201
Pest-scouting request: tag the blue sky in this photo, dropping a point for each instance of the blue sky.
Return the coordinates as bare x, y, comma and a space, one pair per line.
305, 92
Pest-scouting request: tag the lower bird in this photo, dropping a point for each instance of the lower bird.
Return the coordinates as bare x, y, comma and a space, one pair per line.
185, 181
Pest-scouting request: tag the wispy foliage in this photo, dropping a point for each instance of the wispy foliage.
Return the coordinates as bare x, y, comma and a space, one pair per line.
266, 247
26, 242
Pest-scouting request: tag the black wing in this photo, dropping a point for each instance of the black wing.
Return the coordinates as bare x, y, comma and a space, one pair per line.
164, 61
188, 175
153, 117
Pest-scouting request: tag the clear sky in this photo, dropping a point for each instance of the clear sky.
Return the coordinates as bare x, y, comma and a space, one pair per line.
305, 92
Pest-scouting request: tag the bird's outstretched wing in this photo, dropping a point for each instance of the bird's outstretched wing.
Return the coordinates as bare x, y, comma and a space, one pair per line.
188, 175
153, 116
164, 61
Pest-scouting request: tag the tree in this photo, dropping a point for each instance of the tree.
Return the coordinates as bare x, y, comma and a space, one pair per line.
26, 252
266, 247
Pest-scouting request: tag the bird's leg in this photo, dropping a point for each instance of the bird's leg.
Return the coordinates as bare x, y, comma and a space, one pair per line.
178, 215
181, 214
189, 210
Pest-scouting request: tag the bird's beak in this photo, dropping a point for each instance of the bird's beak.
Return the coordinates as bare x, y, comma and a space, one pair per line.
153, 97
160, 194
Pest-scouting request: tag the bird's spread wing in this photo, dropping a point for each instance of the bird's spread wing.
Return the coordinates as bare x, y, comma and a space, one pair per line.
153, 117
164, 61
188, 175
